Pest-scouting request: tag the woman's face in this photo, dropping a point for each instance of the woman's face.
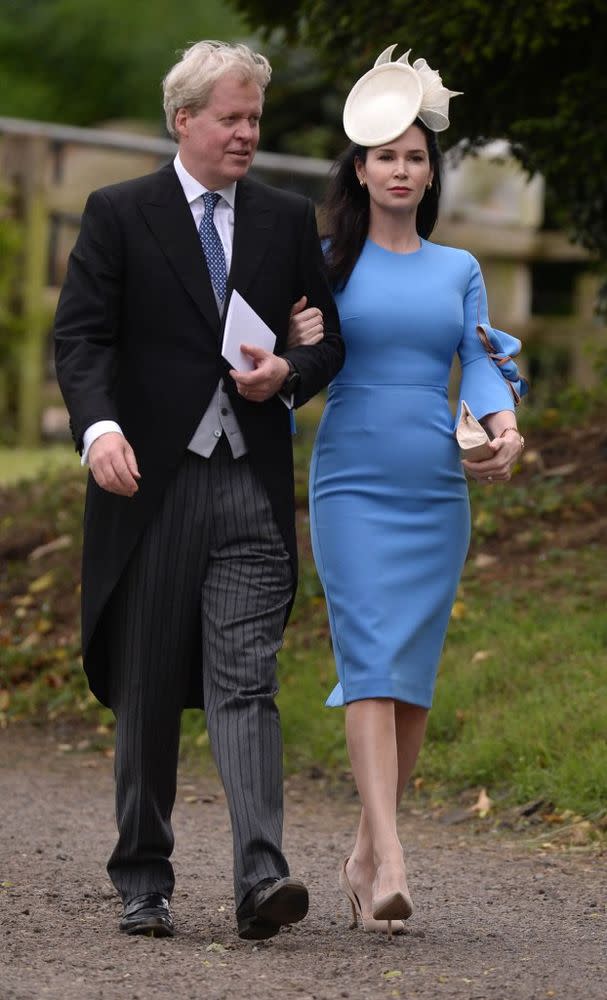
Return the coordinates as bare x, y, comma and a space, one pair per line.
398, 173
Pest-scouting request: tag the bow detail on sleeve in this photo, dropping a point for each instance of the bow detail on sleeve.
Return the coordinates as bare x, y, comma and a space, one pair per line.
502, 348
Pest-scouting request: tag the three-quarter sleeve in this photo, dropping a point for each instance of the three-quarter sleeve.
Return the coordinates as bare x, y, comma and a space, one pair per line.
482, 385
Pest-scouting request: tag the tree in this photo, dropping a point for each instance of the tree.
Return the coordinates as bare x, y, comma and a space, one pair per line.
531, 72
85, 61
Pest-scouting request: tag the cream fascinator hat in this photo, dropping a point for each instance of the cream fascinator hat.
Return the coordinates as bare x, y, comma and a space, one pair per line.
387, 99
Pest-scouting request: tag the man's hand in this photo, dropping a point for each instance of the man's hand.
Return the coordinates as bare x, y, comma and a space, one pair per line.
113, 464
267, 378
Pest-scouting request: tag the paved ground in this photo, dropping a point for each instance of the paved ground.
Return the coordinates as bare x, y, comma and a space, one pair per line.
495, 919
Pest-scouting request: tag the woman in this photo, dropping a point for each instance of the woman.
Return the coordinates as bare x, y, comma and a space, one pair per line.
390, 513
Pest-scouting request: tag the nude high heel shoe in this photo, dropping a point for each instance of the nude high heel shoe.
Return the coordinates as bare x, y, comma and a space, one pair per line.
388, 927
395, 905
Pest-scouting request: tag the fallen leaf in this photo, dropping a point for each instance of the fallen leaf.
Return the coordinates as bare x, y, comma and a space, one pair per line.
553, 818
483, 560
190, 799
215, 946
30, 640
532, 457
483, 804
480, 655
392, 974
580, 833
22, 600
63, 542
561, 470
458, 610
42, 583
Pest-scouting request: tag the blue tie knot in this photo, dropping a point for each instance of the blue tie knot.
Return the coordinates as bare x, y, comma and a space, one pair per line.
210, 199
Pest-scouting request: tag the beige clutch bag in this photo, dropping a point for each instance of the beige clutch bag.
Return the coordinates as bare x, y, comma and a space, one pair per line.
472, 437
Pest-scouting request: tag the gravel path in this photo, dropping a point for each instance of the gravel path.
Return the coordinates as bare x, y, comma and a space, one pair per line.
495, 918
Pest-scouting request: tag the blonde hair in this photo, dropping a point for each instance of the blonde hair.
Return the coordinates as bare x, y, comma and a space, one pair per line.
190, 81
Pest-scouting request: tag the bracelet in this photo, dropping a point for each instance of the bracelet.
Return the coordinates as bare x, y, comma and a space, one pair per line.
516, 431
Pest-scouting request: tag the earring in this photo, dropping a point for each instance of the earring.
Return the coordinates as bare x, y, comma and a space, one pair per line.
428, 186
362, 183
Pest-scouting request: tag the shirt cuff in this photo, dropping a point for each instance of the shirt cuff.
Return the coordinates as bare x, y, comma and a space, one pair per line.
93, 432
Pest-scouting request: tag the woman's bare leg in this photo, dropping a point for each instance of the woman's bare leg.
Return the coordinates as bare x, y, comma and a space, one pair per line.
384, 739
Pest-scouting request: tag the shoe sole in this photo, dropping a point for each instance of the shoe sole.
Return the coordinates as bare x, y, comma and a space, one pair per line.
394, 906
286, 904
152, 927
254, 929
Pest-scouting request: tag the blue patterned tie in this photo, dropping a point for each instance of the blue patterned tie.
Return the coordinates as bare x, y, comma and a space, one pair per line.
212, 246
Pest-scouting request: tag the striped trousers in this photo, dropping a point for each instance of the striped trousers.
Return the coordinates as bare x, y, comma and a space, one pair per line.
210, 572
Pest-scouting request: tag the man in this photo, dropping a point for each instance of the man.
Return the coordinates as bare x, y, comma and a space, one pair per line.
189, 560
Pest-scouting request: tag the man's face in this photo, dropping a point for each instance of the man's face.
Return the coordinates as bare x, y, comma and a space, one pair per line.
217, 144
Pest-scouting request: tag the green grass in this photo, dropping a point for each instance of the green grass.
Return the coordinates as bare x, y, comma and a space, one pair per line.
17, 464
521, 704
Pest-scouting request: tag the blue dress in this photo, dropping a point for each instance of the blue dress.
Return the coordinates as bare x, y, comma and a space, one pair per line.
390, 516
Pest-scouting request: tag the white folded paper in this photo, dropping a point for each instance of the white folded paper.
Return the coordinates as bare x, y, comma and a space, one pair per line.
244, 326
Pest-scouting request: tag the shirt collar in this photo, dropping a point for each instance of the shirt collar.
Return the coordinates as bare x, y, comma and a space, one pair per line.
193, 189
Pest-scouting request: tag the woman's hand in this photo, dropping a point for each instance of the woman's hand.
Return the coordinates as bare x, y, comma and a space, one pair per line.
506, 452
306, 326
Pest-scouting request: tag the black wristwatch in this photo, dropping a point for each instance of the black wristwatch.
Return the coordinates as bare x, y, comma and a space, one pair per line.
292, 380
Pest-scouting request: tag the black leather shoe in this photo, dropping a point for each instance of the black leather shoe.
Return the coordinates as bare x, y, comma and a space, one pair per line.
269, 905
148, 914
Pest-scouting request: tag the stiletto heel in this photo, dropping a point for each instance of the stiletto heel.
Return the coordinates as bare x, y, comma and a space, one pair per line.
344, 884
368, 923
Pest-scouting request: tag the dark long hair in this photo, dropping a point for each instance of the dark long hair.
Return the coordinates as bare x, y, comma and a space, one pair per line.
345, 210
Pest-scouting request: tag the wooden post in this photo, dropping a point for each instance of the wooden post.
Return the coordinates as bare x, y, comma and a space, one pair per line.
35, 315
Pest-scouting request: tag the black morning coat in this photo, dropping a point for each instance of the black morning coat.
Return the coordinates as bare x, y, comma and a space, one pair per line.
138, 338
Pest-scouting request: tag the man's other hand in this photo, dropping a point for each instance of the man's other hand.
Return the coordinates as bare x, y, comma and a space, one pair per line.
267, 378
113, 464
